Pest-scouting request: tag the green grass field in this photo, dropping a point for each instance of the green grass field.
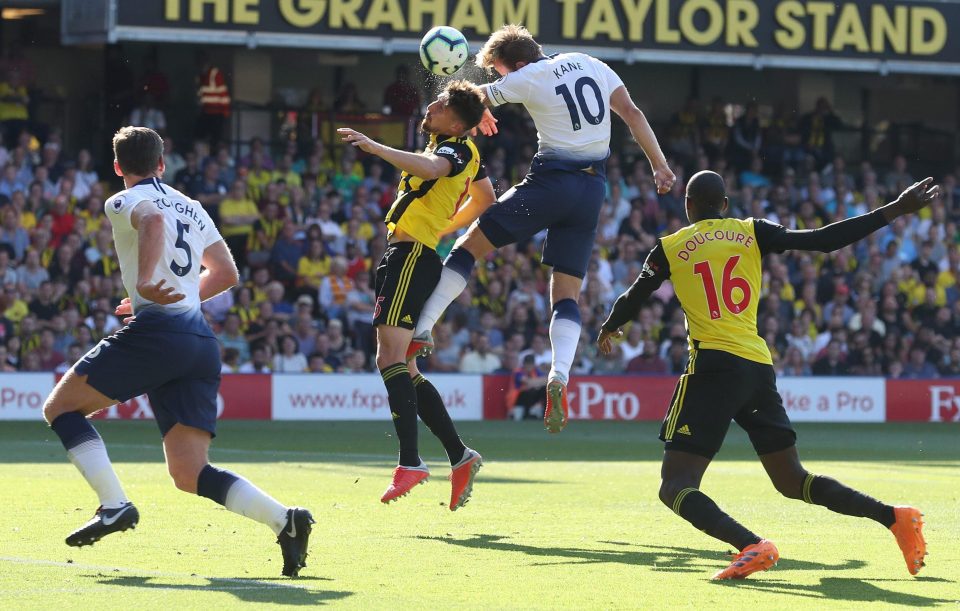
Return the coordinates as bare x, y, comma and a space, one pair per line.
570, 521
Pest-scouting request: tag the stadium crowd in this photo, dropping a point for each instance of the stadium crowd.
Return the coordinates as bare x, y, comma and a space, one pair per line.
304, 220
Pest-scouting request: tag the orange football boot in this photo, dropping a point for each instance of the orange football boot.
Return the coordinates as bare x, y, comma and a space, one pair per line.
757, 557
461, 478
555, 413
908, 529
404, 479
421, 345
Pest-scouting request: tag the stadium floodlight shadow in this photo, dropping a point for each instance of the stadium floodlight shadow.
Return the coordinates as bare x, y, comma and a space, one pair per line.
664, 558
246, 590
837, 588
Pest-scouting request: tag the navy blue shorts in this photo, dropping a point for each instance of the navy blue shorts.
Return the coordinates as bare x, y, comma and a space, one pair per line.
559, 196
163, 357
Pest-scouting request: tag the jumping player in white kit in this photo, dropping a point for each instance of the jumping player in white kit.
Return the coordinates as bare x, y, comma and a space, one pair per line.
569, 96
166, 350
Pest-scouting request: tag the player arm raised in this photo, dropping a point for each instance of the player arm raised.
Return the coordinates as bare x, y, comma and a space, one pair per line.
148, 221
423, 165
220, 273
482, 197
656, 269
623, 105
776, 238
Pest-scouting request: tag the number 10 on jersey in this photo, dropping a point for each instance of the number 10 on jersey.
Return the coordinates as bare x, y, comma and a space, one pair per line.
728, 283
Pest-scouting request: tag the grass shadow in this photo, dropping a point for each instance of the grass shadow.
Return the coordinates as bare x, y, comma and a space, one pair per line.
246, 590
660, 557
840, 588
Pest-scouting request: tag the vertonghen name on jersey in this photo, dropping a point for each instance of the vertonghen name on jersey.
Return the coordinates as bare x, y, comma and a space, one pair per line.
182, 208
566, 68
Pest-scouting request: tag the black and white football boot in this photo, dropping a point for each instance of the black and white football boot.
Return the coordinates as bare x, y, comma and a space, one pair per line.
293, 540
104, 522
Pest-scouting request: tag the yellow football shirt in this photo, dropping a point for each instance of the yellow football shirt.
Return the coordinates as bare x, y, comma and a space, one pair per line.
423, 208
715, 269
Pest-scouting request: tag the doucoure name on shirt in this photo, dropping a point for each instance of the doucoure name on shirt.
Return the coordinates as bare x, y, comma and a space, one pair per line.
565, 68
182, 208
700, 238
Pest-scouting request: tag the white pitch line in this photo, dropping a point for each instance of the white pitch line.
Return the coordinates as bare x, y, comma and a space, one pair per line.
243, 583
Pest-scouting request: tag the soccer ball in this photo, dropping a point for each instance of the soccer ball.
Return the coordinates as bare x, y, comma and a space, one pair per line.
443, 50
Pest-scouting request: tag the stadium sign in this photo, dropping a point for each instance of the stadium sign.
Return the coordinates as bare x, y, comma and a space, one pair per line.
872, 35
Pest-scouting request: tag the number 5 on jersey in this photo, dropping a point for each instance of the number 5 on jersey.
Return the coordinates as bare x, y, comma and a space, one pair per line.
182, 270
729, 282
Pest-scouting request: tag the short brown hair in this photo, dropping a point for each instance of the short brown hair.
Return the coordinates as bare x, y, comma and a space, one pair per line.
466, 100
137, 150
510, 44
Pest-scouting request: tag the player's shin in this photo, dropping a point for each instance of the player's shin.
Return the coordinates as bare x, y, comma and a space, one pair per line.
403, 407
240, 496
829, 493
700, 510
434, 414
453, 279
564, 337
86, 451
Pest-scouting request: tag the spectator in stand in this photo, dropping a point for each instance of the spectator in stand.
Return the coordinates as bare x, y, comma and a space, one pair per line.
231, 337
334, 289
289, 359
146, 114
238, 213
260, 357
12, 234
173, 161
285, 255
816, 132
313, 267
31, 274
10, 182
214, 100
210, 192
747, 139
479, 359
918, 366
401, 97
647, 362
527, 393
832, 362
190, 178
14, 100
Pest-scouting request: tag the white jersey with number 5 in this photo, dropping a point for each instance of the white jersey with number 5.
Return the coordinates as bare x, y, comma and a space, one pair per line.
568, 97
187, 232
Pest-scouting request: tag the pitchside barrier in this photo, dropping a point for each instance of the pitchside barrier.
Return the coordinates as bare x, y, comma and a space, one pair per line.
475, 397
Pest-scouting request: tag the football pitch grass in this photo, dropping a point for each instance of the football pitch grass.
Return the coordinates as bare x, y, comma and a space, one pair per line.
565, 521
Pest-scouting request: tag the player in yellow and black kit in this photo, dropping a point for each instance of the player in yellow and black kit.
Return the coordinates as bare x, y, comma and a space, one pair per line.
714, 264
441, 190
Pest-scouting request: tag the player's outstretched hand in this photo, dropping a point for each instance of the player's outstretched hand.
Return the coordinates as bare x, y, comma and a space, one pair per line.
916, 197
364, 143
605, 340
664, 178
125, 309
487, 125
158, 293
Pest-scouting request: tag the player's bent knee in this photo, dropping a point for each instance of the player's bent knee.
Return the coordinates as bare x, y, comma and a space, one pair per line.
184, 477
670, 488
791, 486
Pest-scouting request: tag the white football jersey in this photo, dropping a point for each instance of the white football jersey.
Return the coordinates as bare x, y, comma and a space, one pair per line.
187, 232
568, 97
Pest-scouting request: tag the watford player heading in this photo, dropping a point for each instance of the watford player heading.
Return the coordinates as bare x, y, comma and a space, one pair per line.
432, 200
714, 264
